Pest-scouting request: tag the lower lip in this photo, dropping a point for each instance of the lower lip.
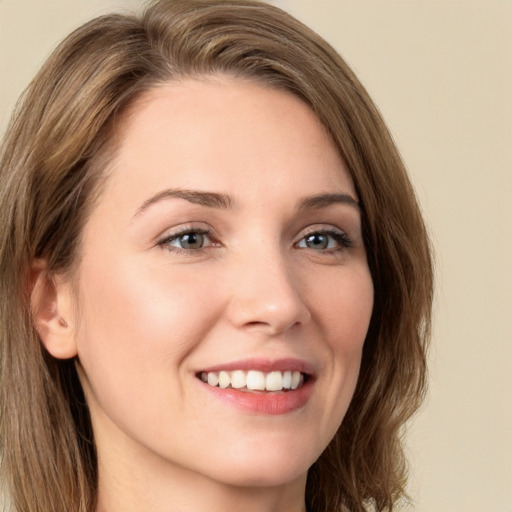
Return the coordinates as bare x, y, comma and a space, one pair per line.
269, 403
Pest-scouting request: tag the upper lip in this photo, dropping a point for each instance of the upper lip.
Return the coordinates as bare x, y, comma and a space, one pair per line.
264, 365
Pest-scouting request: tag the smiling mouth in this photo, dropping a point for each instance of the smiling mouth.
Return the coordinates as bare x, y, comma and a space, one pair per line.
254, 380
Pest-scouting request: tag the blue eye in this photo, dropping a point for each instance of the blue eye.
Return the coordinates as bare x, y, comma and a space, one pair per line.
190, 240
324, 241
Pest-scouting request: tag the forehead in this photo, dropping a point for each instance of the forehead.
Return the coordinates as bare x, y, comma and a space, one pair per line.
226, 135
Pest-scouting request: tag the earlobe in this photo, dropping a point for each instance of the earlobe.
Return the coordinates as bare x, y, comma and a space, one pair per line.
51, 307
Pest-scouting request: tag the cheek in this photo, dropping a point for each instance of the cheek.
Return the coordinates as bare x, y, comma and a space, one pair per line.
344, 305
137, 320
130, 301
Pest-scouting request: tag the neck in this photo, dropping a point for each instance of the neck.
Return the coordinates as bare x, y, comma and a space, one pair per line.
131, 487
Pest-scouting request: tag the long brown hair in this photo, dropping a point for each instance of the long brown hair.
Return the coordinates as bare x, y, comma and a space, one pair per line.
51, 162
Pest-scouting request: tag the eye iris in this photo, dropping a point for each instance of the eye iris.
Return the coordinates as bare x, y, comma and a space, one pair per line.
317, 241
192, 241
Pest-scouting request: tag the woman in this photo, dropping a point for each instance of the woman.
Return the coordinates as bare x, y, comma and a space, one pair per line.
216, 282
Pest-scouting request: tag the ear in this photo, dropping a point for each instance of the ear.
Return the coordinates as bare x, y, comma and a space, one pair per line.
51, 305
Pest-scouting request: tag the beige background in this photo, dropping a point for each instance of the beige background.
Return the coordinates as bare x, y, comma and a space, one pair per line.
441, 72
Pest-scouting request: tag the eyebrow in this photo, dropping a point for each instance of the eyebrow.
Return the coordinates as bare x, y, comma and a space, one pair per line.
223, 201
209, 199
324, 200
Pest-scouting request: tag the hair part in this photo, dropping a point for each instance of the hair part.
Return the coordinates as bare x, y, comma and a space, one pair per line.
52, 165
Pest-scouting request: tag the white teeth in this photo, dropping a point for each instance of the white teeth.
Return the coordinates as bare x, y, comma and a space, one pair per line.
238, 379
224, 379
295, 380
254, 380
274, 381
213, 379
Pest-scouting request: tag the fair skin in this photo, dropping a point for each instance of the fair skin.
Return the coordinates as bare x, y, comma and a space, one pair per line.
227, 237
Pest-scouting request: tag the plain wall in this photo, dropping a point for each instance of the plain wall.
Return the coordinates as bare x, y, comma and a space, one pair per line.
441, 73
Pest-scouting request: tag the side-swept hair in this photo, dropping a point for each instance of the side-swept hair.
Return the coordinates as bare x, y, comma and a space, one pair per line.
51, 163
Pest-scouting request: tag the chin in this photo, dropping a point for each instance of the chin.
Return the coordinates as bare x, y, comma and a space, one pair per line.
268, 468
264, 477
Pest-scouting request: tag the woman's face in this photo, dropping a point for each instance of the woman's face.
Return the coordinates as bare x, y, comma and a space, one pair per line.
226, 245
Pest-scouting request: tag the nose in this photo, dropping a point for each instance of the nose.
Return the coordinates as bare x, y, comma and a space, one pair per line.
266, 294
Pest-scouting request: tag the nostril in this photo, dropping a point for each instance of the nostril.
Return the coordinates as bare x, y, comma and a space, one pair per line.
256, 324
267, 301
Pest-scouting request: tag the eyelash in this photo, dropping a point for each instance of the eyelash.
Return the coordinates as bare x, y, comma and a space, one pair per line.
340, 237
166, 242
